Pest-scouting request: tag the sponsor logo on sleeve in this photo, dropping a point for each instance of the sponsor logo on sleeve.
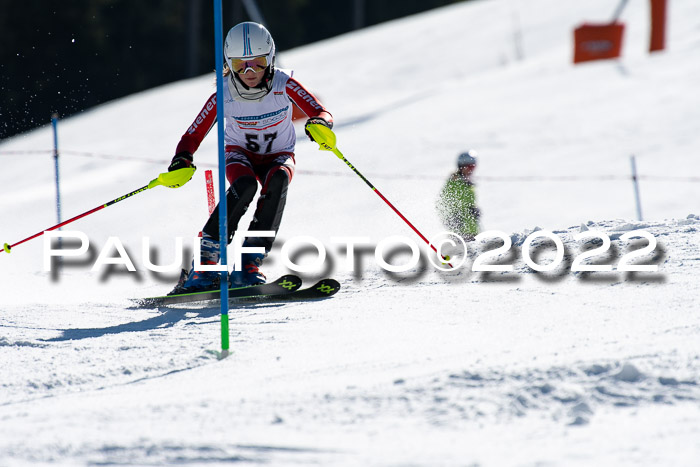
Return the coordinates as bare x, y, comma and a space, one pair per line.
208, 107
305, 96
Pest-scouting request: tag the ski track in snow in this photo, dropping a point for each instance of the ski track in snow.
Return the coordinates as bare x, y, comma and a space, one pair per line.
435, 390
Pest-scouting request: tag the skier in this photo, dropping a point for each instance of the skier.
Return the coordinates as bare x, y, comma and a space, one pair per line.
457, 202
259, 141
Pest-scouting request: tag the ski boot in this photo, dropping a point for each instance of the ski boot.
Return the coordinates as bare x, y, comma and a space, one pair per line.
250, 272
198, 281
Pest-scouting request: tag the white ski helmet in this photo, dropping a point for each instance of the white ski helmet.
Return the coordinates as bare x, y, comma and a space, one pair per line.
249, 45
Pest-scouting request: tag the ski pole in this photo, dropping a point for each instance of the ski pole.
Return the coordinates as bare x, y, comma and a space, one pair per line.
326, 140
174, 179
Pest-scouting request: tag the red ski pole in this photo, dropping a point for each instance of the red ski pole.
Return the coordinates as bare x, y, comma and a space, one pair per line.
173, 179
325, 138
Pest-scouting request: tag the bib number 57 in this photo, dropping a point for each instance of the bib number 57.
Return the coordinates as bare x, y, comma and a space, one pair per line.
253, 141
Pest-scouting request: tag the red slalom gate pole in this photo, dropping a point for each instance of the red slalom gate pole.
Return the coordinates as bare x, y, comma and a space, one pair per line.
211, 198
325, 138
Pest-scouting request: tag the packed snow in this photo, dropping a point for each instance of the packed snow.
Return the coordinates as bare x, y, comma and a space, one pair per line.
421, 367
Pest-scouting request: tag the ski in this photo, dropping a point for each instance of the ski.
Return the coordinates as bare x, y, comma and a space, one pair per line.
285, 284
321, 289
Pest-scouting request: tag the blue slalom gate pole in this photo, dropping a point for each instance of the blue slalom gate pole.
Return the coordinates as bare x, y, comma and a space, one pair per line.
223, 210
54, 124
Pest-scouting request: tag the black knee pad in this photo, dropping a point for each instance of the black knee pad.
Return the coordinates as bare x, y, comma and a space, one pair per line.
277, 185
242, 190
238, 197
270, 208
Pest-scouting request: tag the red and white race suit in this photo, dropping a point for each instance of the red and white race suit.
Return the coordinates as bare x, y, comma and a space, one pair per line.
261, 128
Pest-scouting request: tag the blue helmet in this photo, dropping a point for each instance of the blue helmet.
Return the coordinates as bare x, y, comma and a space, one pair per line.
466, 158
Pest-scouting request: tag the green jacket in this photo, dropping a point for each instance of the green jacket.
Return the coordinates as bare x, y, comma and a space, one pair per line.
457, 207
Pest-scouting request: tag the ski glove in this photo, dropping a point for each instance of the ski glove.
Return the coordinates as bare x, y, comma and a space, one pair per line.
181, 160
319, 121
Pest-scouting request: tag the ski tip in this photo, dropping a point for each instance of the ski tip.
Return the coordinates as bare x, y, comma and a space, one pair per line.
327, 287
290, 282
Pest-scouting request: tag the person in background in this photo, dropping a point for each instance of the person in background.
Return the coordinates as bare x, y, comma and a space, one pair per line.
457, 202
259, 141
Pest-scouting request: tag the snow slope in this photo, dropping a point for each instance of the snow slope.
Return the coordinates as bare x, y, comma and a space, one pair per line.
414, 368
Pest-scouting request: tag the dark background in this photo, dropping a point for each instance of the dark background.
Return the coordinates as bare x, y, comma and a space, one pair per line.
66, 56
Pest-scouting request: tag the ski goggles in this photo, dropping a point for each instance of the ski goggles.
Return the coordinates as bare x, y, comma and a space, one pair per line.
241, 65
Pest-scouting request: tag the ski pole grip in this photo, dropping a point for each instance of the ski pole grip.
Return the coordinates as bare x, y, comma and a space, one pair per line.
174, 179
323, 135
